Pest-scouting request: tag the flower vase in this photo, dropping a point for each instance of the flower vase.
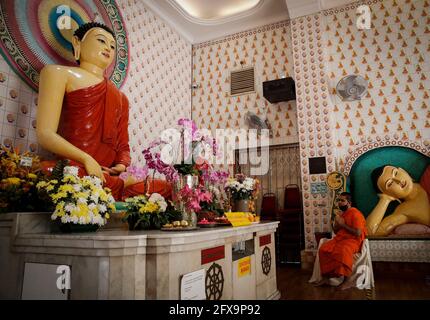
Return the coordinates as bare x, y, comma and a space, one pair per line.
241, 205
191, 217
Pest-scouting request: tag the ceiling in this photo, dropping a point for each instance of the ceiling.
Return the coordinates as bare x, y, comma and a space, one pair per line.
203, 20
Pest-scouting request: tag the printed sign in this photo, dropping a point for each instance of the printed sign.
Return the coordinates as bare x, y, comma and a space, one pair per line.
26, 162
244, 266
193, 286
318, 187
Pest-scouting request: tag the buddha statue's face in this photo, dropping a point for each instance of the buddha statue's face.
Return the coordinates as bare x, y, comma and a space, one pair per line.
97, 47
395, 182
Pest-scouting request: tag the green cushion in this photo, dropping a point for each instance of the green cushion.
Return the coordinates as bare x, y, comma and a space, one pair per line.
360, 182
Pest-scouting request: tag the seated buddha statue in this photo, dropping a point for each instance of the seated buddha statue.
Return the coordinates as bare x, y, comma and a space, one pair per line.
83, 117
395, 184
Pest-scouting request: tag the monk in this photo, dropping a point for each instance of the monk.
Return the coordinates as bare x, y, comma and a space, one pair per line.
83, 117
336, 255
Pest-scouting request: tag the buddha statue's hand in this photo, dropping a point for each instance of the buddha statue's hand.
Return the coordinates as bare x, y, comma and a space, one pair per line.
116, 170
93, 168
386, 197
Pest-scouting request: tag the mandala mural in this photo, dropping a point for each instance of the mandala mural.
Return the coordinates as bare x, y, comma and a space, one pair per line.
34, 33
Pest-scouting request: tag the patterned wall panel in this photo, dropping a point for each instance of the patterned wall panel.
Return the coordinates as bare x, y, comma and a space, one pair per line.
157, 86
400, 250
394, 56
268, 49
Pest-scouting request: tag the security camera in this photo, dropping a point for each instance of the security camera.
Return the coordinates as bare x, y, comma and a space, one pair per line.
195, 86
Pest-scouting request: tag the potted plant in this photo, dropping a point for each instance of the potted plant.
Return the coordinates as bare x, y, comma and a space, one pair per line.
242, 190
19, 175
80, 204
149, 212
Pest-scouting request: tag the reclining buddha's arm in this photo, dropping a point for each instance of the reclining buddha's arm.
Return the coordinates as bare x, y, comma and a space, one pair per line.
53, 82
375, 217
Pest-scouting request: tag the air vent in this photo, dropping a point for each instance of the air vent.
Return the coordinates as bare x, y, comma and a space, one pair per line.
242, 81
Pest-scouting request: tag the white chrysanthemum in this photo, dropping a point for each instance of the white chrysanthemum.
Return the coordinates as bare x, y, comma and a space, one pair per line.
82, 200
102, 208
77, 187
155, 197
94, 180
69, 207
71, 170
162, 205
95, 197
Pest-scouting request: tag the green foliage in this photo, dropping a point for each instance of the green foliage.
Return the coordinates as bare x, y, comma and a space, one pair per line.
57, 171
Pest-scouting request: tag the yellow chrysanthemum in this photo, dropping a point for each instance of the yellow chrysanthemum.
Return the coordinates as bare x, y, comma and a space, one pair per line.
59, 195
83, 210
66, 188
149, 207
60, 209
32, 176
42, 184
13, 180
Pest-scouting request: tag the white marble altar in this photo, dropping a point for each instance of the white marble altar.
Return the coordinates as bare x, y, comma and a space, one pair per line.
121, 264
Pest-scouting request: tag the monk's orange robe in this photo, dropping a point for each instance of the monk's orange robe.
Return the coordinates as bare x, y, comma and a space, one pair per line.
95, 119
336, 255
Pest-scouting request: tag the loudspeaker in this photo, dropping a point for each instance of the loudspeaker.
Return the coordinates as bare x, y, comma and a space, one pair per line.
279, 90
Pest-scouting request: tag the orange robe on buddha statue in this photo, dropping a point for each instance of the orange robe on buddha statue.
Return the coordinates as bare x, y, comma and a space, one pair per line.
336, 256
95, 120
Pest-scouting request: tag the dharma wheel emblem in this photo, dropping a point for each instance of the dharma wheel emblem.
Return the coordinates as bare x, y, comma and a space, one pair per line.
214, 282
266, 260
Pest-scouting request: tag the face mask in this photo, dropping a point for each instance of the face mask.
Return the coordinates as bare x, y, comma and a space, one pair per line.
343, 208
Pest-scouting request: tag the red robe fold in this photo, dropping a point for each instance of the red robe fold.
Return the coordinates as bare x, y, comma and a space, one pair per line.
95, 120
336, 256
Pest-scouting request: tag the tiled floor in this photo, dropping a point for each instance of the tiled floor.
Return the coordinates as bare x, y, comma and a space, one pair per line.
293, 284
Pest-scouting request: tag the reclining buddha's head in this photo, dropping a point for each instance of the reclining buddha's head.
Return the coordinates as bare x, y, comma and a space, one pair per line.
393, 181
94, 43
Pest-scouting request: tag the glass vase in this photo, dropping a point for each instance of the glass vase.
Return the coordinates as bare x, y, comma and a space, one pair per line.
191, 217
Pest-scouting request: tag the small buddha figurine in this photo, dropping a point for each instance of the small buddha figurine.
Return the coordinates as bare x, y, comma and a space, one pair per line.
396, 185
83, 117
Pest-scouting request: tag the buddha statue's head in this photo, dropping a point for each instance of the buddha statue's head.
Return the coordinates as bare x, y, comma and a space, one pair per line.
393, 181
94, 43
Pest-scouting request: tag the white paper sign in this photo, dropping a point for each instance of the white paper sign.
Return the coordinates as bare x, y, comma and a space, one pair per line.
193, 285
26, 161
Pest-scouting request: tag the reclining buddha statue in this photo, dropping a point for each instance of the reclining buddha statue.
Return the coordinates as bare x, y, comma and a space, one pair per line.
83, 117
395, 184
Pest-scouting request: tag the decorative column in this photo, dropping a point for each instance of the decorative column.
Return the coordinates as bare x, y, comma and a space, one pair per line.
314, 121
